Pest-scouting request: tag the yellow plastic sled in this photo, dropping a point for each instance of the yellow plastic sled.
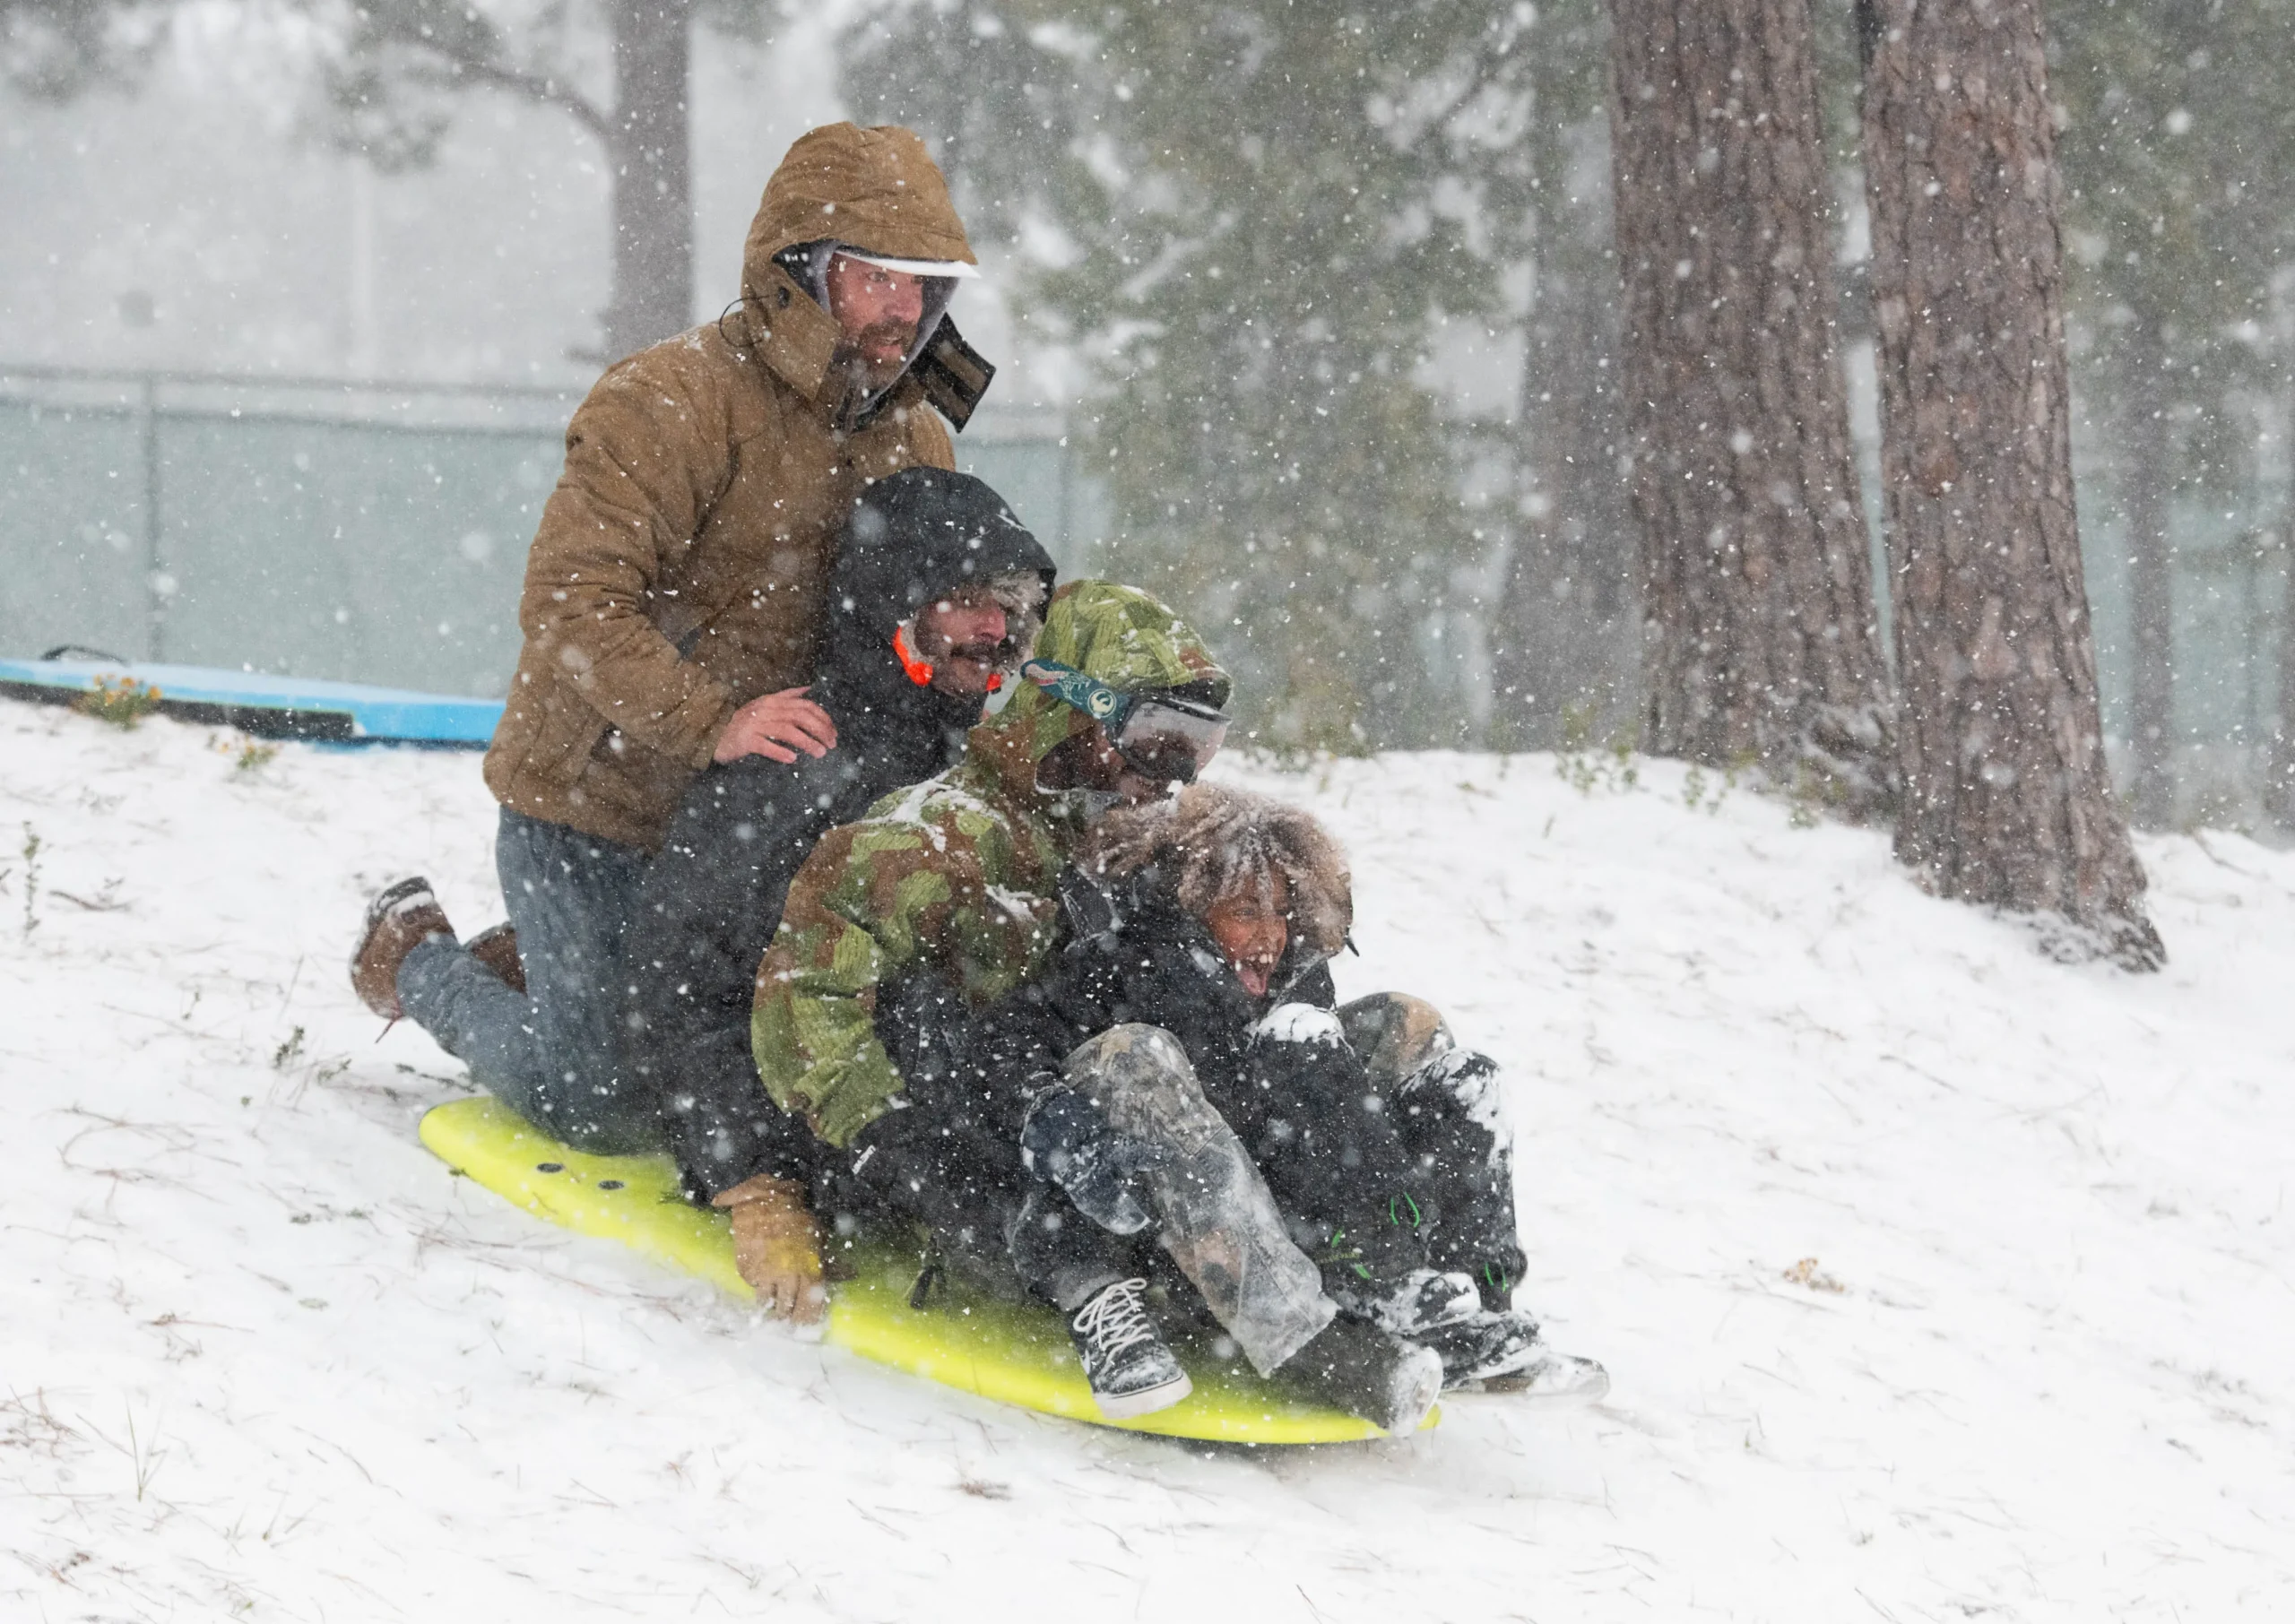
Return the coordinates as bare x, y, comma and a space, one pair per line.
1015, 1353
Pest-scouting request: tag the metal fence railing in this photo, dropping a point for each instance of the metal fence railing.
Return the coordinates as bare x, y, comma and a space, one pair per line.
370, 532
361, 531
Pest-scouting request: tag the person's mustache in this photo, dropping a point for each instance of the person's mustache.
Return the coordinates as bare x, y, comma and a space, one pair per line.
885, 335
985, 654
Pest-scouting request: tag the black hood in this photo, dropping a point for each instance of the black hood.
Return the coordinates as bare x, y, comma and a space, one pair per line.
913, 538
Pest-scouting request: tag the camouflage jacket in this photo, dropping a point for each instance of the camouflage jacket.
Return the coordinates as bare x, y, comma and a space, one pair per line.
957, 874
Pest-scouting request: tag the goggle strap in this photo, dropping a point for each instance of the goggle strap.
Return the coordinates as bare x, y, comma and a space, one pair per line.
1088, 694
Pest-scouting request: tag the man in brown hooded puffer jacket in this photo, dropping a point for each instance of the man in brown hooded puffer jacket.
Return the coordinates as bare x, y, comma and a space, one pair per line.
673, 600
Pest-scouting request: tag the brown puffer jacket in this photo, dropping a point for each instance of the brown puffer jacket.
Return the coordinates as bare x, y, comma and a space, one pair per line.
679, 566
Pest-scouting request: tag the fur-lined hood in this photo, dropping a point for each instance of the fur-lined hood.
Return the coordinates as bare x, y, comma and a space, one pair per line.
913, 538
924, 532
1212, 841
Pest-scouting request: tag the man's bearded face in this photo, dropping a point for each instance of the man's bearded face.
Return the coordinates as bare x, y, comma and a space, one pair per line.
963, 637
876, 311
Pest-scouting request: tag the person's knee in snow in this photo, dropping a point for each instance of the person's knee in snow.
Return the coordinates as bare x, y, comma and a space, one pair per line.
1140, 1077
1130, 1138
1395, 1034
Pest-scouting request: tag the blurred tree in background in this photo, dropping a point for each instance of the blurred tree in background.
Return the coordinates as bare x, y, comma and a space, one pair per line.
1249, 217
396, 74
1564, 646
57, 48
2180, 134
620, 69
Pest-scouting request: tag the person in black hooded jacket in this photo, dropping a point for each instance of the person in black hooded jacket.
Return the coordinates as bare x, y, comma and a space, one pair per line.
1212, 915
935, 597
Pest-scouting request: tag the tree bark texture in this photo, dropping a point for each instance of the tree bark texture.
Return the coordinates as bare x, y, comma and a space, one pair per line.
650, 172
2006, 799
2147, 490
1560, 646
1760, 639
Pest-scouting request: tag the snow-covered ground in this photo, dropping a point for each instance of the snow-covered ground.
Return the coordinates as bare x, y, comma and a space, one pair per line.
261, 1356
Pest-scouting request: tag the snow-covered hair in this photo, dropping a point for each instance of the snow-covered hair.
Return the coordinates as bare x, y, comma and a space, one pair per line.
1213, 842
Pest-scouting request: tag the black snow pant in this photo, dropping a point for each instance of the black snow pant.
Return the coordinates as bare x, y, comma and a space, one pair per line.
956, 1173
1376, 1131
1213, 1219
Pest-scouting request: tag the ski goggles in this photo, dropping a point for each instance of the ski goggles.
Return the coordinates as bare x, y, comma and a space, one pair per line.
1159, 735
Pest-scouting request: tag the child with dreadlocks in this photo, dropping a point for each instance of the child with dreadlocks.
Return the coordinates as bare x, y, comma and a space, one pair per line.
1213, 916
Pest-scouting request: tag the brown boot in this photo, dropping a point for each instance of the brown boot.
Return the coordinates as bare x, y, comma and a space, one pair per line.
402, 915
496, 948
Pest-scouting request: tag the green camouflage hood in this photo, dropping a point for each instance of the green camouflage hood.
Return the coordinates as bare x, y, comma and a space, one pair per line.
1120, 636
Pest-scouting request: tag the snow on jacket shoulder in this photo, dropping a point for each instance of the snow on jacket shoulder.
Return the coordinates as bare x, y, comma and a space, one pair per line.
682, 563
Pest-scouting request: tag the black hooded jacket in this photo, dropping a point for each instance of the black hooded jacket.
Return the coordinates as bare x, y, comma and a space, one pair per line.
1129, 952
712, 895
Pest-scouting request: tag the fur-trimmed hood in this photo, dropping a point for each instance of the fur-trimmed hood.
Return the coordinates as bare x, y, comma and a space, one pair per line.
876, 191
1213, 840
913, 537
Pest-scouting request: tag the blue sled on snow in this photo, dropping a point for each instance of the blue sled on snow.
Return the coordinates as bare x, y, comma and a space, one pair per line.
268, 706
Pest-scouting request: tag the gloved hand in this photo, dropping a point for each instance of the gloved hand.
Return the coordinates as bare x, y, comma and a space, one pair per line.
776, 1246
1070, 1141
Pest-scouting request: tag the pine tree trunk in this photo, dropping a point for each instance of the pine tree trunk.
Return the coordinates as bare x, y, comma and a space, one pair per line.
2151, 604
2006, 799
1757, 597
649, 169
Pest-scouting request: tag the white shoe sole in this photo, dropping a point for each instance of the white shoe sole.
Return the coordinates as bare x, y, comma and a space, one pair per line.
1131, 1406
1589, 1386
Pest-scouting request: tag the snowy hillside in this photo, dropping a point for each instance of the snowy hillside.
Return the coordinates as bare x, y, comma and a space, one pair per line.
261, 1357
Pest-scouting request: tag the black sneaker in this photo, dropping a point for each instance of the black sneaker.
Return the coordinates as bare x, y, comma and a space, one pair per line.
1133, 1373
1355, 1366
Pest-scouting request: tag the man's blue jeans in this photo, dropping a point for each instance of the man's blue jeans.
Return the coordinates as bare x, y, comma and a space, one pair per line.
553, 1055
